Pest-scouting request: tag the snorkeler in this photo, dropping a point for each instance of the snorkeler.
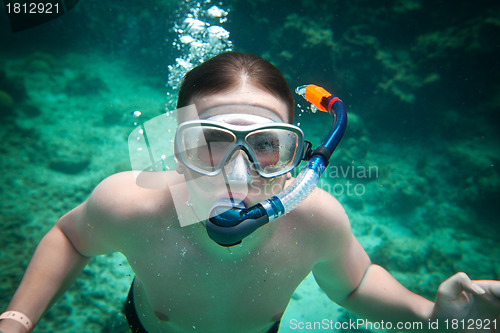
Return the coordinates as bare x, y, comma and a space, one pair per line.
234, 152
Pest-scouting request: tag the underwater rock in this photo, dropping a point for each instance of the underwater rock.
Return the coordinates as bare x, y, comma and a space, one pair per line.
353, 151
15, 87
110, 117
69, 166
39, 66
6, 103
407, 196
31, 110
401, 190
354, 202
13, 96
403, 254
84, 84
12, 86
68, 158
40, 62
473, 168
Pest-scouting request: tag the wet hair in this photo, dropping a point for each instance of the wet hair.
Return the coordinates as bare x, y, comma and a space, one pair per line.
226, 71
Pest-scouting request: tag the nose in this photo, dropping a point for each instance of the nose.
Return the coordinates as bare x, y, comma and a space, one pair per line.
238, 170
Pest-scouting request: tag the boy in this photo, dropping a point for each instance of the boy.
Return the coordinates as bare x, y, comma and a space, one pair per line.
184, 280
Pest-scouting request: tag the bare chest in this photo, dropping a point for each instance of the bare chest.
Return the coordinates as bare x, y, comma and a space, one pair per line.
183, 285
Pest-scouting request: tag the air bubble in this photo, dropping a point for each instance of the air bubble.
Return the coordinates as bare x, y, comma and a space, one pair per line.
186, 39
200, 37
301, 90
216, 12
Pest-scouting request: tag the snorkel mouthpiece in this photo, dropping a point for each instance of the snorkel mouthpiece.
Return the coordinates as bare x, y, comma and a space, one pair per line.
230, 222
225, 223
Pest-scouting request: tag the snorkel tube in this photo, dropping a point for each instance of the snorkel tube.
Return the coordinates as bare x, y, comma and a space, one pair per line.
229, 223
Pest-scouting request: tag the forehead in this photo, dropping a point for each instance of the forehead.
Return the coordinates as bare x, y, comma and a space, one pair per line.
239, 112
244, 99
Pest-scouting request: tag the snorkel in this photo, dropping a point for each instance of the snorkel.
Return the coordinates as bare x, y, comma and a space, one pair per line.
229, 222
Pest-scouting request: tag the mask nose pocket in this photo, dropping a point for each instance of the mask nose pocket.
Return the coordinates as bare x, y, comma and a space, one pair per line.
238, 169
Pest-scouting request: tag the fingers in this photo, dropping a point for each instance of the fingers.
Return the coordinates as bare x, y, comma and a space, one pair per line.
457, 284
495, 290
478, 289
491, 287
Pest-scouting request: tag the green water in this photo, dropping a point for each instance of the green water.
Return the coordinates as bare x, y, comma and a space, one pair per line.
416, 171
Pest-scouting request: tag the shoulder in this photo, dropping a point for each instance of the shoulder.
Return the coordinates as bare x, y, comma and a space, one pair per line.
323, 220
323, 210
114, 212
117, 193
124, 195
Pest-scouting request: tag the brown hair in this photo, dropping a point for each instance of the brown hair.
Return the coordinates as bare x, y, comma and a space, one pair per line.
226, 70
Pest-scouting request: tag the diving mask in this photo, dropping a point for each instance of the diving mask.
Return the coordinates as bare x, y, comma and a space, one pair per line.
207, 145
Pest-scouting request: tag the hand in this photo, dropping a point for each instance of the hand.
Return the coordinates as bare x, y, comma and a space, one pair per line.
473, 305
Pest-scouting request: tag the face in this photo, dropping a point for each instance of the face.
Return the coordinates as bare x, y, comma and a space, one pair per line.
238, 179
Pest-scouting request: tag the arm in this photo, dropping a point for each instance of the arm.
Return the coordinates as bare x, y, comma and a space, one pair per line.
53, 268
347, 276
474, 305
379, 296
63, 253
371, 293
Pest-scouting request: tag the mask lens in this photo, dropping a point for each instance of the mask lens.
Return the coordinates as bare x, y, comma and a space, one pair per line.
274, 148
205, 146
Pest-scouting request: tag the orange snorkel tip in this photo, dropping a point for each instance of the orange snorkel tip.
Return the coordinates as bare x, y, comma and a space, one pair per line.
318, 96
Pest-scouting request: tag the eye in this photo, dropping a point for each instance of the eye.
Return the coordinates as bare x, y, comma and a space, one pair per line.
216, 135
266, 143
